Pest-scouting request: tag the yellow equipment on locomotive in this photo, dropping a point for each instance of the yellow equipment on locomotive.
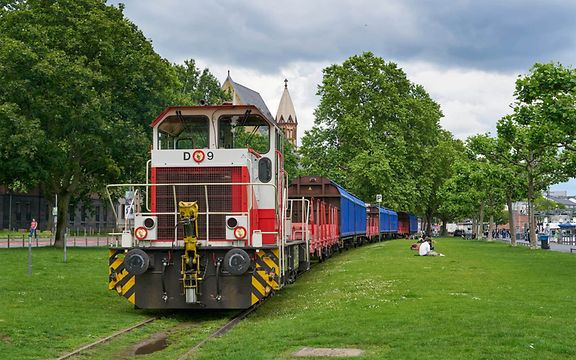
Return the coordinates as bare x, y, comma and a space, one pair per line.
190, 268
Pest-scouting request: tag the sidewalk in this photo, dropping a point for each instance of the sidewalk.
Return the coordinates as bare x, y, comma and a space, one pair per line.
553, 246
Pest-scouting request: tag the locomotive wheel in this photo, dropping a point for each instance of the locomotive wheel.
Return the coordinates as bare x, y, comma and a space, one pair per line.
136, 262
236, 261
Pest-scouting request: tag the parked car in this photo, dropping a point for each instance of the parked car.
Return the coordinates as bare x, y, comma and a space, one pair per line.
459, 232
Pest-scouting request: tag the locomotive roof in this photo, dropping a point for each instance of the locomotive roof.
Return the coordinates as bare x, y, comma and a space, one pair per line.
210, 107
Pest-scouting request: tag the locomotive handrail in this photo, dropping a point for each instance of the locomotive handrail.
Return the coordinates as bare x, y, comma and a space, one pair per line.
179, 184
173, 186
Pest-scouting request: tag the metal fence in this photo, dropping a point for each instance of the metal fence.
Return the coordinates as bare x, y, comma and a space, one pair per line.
21, 241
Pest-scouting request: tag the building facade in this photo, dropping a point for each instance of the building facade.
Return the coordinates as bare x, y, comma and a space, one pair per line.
18, 209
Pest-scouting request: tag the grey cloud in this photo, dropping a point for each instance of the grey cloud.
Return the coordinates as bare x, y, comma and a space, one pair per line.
490, 35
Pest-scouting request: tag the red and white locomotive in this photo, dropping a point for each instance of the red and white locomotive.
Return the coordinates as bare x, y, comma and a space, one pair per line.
209, 229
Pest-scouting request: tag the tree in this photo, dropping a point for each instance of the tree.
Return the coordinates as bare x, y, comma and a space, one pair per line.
512, 178
536, 134
372, 126
546, 98
474, 191
79, 84
543, 204
291, 161
197, 86
440, 159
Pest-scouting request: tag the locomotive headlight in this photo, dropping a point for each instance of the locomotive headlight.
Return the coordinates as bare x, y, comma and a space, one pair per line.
149, 223
231, 222
240, 232
141, 233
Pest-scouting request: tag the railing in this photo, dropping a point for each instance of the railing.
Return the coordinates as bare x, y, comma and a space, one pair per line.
202, 194
12, 241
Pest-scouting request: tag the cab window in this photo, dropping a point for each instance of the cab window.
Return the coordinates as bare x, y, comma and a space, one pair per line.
183, 132
244, 131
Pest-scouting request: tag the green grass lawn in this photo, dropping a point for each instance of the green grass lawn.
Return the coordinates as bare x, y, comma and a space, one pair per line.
482, 301
61, 306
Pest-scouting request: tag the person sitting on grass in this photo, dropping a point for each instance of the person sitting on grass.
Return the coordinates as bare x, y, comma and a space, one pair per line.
428, 238
425, 249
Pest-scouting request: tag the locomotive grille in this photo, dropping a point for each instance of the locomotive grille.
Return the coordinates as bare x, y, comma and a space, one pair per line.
221, 198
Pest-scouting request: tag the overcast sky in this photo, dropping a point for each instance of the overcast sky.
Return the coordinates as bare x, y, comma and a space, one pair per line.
467, 54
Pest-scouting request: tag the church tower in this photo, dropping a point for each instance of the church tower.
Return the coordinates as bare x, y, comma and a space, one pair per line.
286, 116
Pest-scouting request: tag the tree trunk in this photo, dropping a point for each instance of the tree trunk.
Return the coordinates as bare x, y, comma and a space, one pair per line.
443, 229
474, 228
50, 217
63, 205
481, 221
531, 222
490, 227
511, 223
428, 230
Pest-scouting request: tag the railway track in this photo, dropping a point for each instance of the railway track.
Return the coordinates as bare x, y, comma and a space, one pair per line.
218, 332
221, 331
107, 338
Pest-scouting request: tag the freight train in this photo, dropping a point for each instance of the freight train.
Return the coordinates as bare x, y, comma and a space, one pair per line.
216, 224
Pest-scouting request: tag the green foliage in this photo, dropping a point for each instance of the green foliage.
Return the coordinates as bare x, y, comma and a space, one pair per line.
440, 160
79, 85
22, 141
291, 161
547, 98
543, 204
198, 85
371, 130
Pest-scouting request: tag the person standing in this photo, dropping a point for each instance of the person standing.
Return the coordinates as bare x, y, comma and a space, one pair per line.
33, 227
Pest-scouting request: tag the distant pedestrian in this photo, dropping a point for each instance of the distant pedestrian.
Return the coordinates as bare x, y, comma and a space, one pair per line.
33, 227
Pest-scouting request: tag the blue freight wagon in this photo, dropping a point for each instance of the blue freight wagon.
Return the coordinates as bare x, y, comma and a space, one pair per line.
352, 214
352, 210
413, 223
393, 223
388, 223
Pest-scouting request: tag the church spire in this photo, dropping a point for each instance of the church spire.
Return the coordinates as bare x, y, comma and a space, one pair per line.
286, 115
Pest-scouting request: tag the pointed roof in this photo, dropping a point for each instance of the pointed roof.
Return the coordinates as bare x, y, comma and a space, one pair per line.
286, 112
241, 95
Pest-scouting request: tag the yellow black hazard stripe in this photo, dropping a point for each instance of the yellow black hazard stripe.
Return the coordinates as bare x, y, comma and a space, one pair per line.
267, 274
118, 278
